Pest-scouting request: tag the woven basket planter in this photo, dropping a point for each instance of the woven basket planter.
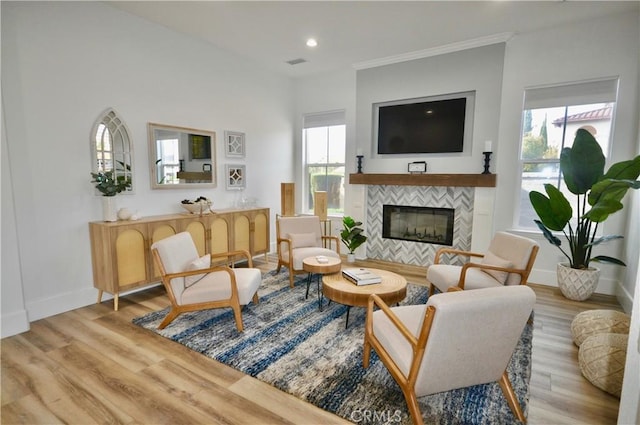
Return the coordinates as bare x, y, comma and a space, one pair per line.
575, 284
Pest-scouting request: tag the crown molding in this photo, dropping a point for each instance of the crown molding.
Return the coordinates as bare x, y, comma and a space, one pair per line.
435, 51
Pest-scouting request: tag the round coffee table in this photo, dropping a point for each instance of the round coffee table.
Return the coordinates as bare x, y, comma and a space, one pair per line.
313, 266
392, 289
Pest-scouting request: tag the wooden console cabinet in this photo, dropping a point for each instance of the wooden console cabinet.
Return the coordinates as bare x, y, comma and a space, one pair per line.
120, 251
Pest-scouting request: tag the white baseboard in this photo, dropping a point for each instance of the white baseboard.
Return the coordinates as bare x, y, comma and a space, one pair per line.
625, 299
70, 301
548, 277
15, 323
61, 303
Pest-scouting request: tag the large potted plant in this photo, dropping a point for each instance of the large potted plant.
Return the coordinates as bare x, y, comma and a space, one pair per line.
351, 235
109, 186
598, 195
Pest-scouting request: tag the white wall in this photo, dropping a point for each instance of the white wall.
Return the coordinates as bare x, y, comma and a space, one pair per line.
63, 64
605, 47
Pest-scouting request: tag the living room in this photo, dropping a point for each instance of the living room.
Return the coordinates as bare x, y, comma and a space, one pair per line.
64, 63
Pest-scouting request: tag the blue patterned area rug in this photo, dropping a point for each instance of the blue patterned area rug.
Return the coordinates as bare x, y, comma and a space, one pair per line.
288, 343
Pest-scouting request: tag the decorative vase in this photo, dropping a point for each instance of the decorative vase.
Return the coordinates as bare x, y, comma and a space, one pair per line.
577, 284
124, 214
109, 212
351, 258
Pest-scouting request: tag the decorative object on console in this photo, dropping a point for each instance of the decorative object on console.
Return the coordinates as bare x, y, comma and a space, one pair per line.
417, 167
234, 144
582, 168
351, 235
201, 205
124, 214
110, 187
235, 176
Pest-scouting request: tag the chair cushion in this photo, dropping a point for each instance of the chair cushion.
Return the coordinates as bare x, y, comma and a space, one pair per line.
444, 276
216, 286
392, 340
514, 248
176, 252
302, 240
491, 259
473, 336
300, 254
203, 262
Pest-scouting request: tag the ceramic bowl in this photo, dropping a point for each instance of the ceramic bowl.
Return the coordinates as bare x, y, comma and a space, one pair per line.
198, 208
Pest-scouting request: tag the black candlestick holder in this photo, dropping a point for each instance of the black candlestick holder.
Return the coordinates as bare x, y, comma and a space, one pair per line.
487, 160
359, 163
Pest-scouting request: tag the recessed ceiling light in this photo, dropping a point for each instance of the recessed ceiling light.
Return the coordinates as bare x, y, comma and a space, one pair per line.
312, 42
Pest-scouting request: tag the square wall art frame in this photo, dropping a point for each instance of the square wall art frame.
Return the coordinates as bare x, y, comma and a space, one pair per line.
235, 176
234, 144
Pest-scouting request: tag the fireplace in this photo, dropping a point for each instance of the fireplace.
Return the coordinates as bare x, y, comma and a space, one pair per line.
418, 224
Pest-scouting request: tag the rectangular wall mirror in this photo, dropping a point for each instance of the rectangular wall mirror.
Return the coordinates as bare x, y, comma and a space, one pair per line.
181, 157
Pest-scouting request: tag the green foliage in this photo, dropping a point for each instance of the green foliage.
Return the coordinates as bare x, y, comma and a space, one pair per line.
533, 147
528, 118
582, 168
109, 186
351, 235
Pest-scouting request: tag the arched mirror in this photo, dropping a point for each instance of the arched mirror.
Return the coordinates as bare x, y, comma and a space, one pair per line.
181, 157
111, 147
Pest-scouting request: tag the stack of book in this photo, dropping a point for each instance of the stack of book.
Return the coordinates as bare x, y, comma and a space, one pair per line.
361, 276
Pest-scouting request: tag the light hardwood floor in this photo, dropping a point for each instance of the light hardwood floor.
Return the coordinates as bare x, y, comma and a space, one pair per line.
91, 365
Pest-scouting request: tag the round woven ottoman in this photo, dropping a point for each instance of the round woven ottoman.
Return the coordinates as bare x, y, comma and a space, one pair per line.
601, 358
592, 322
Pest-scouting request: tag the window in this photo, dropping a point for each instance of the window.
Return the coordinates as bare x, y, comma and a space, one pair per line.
323, 139
550, 119
111, 147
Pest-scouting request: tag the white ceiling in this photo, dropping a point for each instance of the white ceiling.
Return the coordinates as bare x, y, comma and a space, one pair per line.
359, 33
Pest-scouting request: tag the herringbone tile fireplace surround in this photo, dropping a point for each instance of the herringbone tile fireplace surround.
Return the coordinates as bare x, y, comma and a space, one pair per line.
461, 199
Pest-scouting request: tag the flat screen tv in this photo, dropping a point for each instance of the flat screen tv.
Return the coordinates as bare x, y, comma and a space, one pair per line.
410, 127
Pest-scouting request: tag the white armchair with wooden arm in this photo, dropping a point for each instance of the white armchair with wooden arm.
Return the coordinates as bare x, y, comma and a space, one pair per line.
192, 283
300, 237
456, 340
508, 261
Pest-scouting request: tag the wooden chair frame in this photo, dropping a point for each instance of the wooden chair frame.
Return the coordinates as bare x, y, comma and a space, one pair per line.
524, 273
288, 263
233, 301
407, 382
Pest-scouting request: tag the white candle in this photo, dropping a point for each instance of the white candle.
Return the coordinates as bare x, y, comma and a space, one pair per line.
359, 152
487, 146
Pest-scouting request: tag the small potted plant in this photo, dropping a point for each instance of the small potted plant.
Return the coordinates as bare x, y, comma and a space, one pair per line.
598, 195
352, 237
110, 186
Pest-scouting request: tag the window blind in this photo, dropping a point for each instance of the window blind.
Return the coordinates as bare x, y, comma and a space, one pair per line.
600, 91
324, 119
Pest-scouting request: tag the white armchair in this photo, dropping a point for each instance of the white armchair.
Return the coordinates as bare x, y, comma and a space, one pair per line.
457, 339
300, 237
192, 284
508, 261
